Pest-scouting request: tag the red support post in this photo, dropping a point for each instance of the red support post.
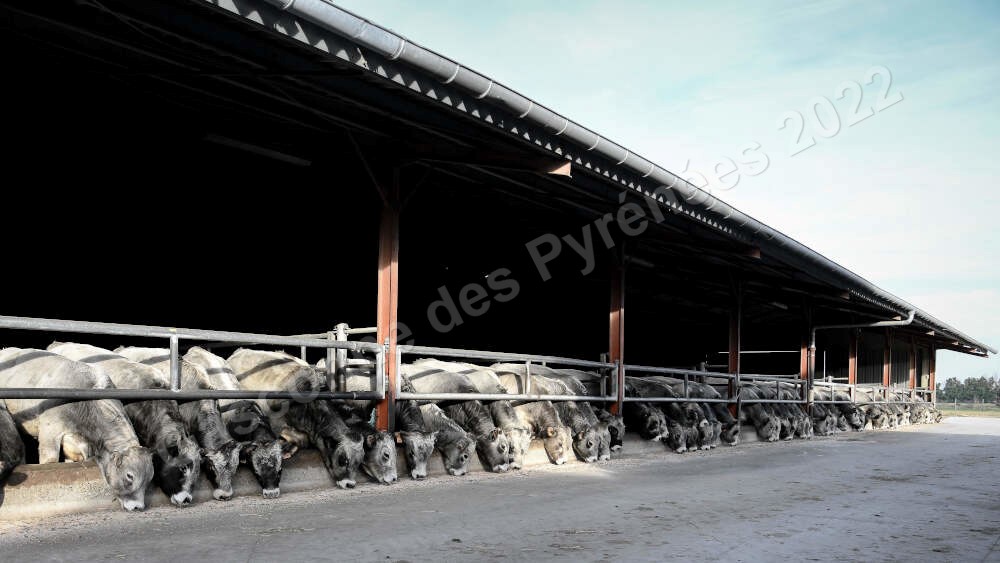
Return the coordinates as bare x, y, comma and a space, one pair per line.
932, 360
735, 337
388, 300
887, 359
852, 359
913, 363
616, 325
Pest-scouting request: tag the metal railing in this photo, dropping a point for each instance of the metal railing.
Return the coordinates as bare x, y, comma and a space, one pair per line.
483, 355
173, 337
685, 378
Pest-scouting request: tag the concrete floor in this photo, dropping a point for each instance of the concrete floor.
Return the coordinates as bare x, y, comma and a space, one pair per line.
927, 493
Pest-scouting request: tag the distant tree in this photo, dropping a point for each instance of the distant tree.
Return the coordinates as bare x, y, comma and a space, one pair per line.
982, 389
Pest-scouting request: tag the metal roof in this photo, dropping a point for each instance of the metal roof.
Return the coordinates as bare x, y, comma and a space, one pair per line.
393, 57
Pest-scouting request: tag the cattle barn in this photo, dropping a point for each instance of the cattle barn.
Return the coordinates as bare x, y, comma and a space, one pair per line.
283, 167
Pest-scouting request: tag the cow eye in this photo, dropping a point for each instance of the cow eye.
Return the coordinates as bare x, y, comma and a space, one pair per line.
385, 456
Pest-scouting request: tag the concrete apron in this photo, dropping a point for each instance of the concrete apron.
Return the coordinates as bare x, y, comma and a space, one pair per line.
64, 488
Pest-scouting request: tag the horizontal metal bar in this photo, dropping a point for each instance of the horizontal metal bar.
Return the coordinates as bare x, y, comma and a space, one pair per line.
496, 397
766, 352
677, 400
87, 327
184, 394
773, 401
363, 330
782, 378
678, 371
499, 356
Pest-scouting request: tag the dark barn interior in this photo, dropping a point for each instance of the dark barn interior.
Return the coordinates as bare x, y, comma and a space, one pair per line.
233, 179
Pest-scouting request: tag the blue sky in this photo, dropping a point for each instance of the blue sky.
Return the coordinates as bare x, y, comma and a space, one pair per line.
904, 197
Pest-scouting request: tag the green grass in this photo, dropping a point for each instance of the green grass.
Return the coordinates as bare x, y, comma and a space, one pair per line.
969, 409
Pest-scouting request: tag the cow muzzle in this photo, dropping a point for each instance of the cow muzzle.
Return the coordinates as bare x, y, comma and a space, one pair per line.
182, 498
418, 474
133, 505
346, 483
271, 493
222, 494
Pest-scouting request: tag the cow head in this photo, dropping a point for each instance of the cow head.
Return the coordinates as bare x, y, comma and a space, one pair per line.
128, 472
652, 425
554, 442
603, 441
220, 465
494, 450
770, 429
519, 440
342, 454
731, 433
706, 434
457, 455
675, 437
380, 457
178, 465
265, 458
805, 429
585, 445
616, 428
418, 447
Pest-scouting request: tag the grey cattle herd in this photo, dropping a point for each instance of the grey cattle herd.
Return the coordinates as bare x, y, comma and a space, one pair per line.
168, 445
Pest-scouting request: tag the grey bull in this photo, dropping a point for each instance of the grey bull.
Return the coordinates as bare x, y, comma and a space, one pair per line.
177, 457
11, 446
264, 451
502, 412
304, 421
418, 440
455, 445
472, 416
81, 430
219, 452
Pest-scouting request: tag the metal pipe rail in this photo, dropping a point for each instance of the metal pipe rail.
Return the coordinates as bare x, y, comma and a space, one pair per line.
142, 331
686, 374
184, 395
173, 336
528, 359
407, 349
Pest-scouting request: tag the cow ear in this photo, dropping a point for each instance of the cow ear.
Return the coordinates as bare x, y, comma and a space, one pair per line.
118, 459
550, 432
370, 440
172, 449
494, 434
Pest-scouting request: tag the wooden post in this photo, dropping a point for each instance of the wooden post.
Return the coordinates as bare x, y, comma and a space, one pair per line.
932, 361
616, 323
852, 359
887, 359
807, 360
388, 299
913, 363
735, 337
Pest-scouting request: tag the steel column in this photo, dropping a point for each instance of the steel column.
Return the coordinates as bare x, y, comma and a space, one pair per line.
388, 299
616, 324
